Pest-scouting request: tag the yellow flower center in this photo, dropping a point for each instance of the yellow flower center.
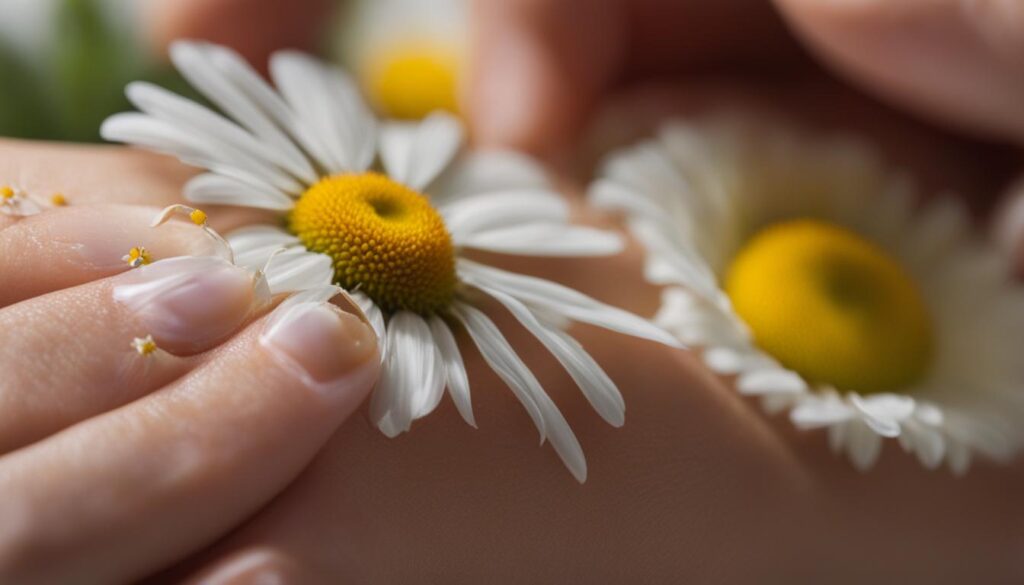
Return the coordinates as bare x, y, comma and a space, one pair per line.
831, 306
412, 79
384, 238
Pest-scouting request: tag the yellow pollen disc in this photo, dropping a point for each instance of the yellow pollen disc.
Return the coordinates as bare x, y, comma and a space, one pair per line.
58, 200
384, 238
6, 192
138, 256
412, 79
144, 345
831, 306
198, 216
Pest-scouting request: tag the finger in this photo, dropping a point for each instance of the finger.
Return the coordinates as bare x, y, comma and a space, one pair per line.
537, 69
130, 491
255, 28
69, 246
99, 175
255, 565
954, 61
91, 174
69, 355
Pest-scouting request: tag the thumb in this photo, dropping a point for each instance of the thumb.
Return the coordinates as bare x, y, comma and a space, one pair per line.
956, 62
537, 69
255, 28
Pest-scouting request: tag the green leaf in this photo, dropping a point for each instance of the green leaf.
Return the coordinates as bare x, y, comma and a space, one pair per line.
92, 62
23, 105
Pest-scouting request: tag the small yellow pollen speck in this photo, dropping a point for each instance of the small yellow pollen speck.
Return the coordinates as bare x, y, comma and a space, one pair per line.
413, 79
383, 237
831, 306
58, 200
6, 192
144, 345
198, 217
138, 256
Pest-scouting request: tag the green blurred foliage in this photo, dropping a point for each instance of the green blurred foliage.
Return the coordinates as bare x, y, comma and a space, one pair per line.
87, 65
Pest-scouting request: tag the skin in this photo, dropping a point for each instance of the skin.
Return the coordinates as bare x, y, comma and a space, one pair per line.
113, 464
699, 486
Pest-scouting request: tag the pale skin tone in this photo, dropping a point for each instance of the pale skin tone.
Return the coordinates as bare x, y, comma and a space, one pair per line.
698, 486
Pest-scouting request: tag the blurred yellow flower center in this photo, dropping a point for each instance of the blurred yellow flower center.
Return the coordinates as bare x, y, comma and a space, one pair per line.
412, 79
831, 306
384, 238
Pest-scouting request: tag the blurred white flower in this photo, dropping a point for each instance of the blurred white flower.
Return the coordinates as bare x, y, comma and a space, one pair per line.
808, 272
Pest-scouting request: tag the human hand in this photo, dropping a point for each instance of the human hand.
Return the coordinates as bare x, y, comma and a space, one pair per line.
705, 476
116, 460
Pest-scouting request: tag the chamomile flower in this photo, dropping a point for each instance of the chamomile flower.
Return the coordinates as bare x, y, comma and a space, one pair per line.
408, 55
391, 230
16, 202
806, 270
144, 346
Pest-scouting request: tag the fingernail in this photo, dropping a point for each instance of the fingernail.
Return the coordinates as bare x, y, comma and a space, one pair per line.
329, 350
258, 567
187, 303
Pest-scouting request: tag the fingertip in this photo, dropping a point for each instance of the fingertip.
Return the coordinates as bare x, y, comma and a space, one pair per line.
252, 566
331, 352
515, 100
536, 71
941, 59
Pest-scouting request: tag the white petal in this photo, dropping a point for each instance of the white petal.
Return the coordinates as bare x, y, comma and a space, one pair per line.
414, 379
729, 361
230, 82
160, 136
555, 298
415, 154
486, 171
769, 381
339, 129
863, 446
883, 413
296, 270
597, 387
221, 190
186, 114
837, 437
455, 369
470, 215
613, 196
959, 457
385, 396
820, 411
538, 239
253, 245
504, 361
429, 388
928, 444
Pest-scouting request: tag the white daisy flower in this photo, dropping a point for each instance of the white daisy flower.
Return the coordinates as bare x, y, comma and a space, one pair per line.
408, 55
393, 234
806, 270
16, 202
